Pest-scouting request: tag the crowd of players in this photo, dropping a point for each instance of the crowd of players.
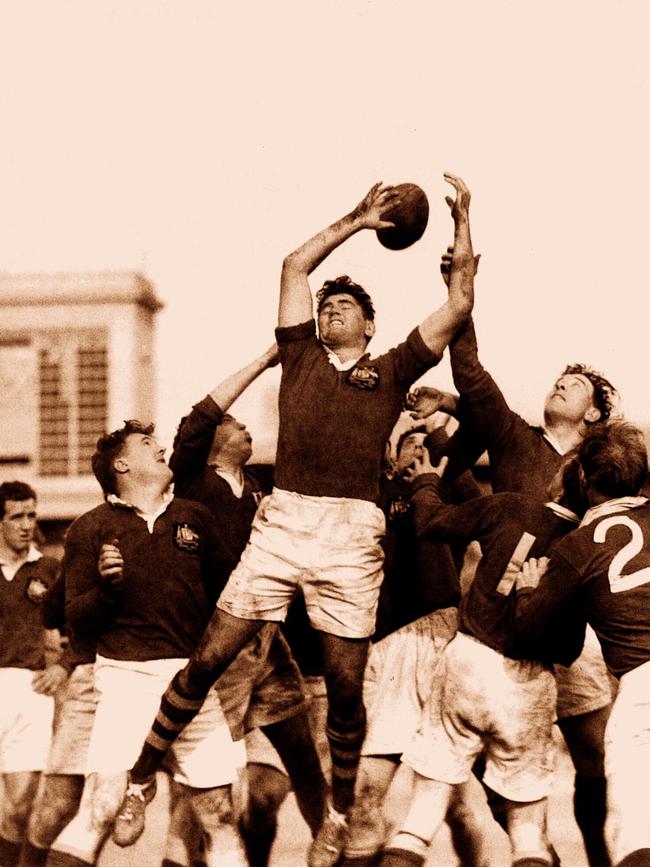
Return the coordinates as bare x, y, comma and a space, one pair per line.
171, 600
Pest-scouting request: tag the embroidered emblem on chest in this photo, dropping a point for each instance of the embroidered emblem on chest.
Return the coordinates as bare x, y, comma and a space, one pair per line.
398, 508
36, 590
187, 538
365, 378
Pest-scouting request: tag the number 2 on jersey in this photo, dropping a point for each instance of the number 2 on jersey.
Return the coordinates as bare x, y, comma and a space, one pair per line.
617, 581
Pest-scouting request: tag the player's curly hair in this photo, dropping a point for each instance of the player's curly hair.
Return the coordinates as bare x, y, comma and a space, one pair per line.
109, 447
614, 459
606, 398
346, 286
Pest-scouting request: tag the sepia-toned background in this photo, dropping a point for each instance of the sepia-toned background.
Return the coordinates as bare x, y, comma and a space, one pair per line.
176, 151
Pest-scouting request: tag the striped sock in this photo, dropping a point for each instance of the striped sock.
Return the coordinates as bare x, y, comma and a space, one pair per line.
345, 748
178, 707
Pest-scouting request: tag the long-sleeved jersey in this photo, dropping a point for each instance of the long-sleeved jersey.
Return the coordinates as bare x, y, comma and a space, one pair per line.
172, 578
522, 458
602, 572
510, 528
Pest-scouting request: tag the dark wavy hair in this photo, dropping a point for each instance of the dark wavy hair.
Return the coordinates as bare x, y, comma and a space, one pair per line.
109, 447
16, 492
345, 286
614, 459
606, 397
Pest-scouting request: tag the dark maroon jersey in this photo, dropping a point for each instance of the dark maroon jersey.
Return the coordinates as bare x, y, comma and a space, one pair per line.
603, 570
334, 424
510, 528
194, 479
521, 457
22, 635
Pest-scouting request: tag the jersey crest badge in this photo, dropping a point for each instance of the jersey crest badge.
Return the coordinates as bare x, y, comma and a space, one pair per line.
36, 590
365, 378
187, 538
399, 507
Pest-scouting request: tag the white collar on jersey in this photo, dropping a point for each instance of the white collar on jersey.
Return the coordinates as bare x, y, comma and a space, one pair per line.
150, 520
619, 504
336, 362
9, 570
550, 439
563, 512
236, 484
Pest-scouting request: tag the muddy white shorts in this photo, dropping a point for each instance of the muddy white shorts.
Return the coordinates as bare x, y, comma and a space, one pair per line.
74, 725
488, 701
402, 671
329, 546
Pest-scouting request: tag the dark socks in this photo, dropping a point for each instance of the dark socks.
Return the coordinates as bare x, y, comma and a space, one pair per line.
590, 809
9, 852
32, 856
361, 861
345, 747
258, 844
401, 858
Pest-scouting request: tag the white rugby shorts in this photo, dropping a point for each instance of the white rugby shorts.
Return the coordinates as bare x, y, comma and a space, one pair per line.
489, 701
25, 723
329, 546
128, 697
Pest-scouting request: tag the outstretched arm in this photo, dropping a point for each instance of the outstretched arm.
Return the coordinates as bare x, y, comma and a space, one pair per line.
295, 295
195, 436
227, 392
439, 328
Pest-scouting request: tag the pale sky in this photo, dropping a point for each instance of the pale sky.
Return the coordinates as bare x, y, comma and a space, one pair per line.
202, 141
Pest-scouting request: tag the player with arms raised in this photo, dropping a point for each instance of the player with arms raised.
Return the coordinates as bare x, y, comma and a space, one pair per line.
321, 527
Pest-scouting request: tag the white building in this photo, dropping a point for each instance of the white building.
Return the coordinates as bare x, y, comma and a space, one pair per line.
76, 359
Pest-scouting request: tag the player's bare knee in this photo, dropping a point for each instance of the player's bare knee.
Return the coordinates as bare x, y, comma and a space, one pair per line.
267, 789
200, 674
50, 813
213, 807
15, 815
346, 710
367, 818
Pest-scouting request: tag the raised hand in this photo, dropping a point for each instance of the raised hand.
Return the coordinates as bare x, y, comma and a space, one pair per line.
460, 205
378, 200
425, 400
445, 264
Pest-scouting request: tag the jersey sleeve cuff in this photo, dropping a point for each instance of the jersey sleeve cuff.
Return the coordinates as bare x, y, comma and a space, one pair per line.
421, 351
291, 333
